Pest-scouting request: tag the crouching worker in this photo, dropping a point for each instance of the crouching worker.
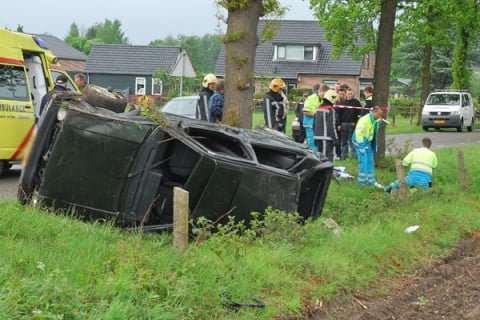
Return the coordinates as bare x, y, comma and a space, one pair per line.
421, 161
324, 125
364, 141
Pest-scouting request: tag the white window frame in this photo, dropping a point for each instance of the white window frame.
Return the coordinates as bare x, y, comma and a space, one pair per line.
276, 52
160, 82
330, 82
138, 80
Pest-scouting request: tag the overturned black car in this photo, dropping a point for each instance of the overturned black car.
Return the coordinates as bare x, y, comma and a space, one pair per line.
124, 166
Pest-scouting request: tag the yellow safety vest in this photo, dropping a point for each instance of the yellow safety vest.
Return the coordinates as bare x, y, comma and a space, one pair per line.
311, 104
421, 159
365, 128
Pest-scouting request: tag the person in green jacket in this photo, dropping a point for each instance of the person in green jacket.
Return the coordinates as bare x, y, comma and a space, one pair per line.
422, 161
309, 109
364, 141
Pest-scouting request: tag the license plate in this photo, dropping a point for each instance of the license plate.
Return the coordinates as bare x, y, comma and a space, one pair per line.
439, 121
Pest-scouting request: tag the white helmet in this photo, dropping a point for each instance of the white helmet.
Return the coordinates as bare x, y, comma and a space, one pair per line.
208, 79
331, 95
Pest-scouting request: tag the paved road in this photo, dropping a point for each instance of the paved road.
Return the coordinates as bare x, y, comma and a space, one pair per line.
440, 139
9, 182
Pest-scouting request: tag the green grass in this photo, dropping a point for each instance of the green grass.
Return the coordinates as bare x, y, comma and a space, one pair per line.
55, 267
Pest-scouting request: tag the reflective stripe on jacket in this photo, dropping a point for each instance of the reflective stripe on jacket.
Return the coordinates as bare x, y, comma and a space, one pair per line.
421, 159
365, 129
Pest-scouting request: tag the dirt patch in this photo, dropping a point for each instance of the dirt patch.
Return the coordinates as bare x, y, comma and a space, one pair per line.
445, 289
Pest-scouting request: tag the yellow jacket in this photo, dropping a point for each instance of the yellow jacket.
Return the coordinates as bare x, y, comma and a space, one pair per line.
421, 159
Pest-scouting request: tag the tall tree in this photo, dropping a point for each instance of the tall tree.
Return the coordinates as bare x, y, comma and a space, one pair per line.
74, 31
348, 24
241, 43
383, 64
467, 24
111, 32
428, 22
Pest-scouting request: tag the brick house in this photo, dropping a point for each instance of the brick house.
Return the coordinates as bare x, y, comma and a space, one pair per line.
301, 56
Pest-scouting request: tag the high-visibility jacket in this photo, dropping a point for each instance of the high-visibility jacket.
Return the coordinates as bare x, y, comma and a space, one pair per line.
421, 159
311, 104
366, 129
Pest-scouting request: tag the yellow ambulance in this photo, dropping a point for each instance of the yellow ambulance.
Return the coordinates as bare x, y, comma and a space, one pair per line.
25, 77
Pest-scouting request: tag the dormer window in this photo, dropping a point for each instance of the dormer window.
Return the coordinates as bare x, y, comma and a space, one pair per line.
294, 52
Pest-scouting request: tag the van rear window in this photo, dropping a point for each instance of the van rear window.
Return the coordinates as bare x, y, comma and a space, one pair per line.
13, 83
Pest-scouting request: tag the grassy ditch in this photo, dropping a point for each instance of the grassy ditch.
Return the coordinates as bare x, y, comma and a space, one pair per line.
55, 267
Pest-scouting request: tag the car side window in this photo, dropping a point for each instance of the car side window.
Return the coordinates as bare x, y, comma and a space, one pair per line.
464, 101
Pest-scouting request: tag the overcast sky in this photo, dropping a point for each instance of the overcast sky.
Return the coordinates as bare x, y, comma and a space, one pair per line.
142, 20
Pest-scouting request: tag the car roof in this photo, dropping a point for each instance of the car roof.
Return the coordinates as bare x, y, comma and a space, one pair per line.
186, 98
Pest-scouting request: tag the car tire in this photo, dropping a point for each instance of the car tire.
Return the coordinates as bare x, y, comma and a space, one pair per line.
470, 127
425, 128
103, 98
460, 127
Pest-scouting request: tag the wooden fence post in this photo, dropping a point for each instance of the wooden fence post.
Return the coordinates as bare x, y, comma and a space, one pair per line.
180, 219
401, 180
461, 170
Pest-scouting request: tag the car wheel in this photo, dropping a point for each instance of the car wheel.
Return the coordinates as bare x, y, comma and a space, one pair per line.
470, 127
425, 128
103, 98
460, 127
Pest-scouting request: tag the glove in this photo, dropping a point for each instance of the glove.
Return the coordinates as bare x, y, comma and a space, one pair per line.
363, 151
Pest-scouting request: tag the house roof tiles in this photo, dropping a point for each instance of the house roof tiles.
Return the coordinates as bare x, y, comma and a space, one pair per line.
127, 59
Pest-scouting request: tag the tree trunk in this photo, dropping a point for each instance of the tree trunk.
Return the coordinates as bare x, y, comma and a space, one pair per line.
241, 44
460, 68
382, 66
427, 59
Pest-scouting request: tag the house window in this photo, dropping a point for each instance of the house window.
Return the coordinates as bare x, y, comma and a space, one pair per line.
295, 52
281, 52
330, 83
308, 53
291, 86
140, 85
157, 87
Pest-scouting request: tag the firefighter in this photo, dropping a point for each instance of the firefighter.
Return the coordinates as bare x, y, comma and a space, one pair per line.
208, 88
422, 161
324, 126
364, 141
275, 106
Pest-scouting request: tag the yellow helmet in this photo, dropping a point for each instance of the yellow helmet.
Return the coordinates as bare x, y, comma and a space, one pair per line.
331, 95
276, 85
208, 79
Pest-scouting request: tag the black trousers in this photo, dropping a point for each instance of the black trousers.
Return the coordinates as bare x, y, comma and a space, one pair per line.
326, 147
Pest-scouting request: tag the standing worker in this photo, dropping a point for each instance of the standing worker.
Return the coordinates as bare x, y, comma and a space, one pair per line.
346, 120
422, 162
215, 105
275, 106
324, 127
368, 92
208, 88
309, 109
61, 84
365, 146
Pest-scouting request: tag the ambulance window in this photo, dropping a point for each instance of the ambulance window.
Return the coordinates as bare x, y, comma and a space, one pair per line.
55, 74
13, 83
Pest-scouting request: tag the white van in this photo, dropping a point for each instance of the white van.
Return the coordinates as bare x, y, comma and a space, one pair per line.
448, 109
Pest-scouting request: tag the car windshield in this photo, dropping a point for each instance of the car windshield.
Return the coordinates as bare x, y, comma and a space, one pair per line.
183, 107
444, 99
